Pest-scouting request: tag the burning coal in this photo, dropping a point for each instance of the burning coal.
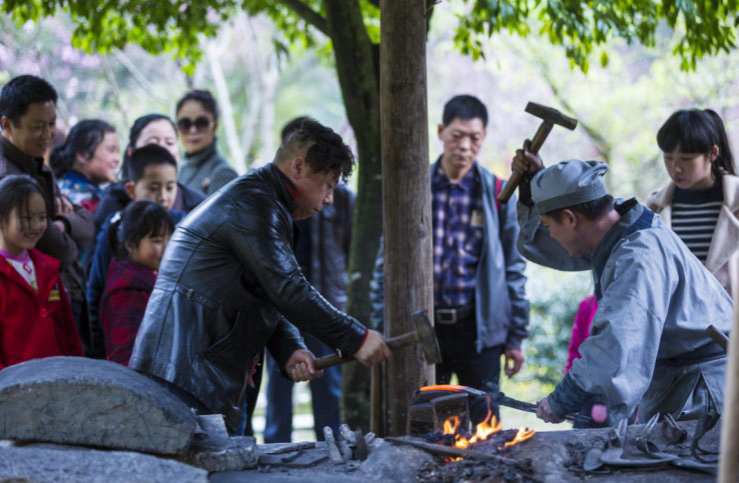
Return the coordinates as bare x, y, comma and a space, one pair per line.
486, 430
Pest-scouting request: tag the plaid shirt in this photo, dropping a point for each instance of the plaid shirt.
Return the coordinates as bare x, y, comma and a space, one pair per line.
123, 305
457, 216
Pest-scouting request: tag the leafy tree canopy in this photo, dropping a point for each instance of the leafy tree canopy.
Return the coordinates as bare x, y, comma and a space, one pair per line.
708, 26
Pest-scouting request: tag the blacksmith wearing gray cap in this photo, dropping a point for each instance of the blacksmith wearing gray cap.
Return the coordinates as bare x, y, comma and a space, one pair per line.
647, 348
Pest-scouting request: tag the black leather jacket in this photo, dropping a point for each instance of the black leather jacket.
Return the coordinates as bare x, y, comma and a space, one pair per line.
227, 275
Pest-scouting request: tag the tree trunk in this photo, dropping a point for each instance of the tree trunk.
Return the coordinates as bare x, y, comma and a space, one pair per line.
358, 78
407, 197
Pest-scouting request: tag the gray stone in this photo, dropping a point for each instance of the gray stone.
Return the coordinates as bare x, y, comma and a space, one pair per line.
214, 450
388, 462
42, 465
72, 400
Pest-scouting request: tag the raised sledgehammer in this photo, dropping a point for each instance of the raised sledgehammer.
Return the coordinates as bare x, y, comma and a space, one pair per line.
422, 334
550, 117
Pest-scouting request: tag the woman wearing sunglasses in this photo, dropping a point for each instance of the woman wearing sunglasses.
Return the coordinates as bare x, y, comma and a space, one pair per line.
204, 168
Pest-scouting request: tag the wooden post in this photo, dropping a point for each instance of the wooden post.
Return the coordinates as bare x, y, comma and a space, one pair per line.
406, 196
728, 469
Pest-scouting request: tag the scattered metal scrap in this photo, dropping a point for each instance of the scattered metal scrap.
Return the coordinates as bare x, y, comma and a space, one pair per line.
352, 447
611, 454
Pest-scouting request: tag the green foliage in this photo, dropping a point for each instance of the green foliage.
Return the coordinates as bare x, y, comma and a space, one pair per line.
709, 26
177, 26
555, 297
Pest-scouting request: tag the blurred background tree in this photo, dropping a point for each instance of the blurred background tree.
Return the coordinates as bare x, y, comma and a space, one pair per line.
270, 60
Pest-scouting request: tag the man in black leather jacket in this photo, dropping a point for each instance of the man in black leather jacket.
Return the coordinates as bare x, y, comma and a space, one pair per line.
229, 282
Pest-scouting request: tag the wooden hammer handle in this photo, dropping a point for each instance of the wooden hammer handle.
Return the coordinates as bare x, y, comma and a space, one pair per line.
393, 343
516, 177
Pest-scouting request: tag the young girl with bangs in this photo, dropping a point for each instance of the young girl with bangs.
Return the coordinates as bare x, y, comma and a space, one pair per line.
35, 314
142, 235
701, 201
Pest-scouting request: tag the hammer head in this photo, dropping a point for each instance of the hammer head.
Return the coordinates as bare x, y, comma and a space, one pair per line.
551, 115
426, 337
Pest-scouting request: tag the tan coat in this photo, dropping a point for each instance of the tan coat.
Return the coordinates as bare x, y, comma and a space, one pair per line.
723, 255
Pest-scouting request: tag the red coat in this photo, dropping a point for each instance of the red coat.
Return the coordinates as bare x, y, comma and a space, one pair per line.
123, 306
35, 325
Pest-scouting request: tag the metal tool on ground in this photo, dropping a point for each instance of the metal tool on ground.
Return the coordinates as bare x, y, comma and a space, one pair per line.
441, 450
550, 117
423, 334
333, 449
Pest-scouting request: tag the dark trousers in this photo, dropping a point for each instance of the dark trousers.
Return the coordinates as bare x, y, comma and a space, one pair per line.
325, 395
459, 356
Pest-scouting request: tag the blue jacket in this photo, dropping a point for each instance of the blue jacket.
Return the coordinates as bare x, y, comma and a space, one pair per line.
500, 298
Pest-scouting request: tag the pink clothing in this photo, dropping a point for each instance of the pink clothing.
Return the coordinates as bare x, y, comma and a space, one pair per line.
581, 328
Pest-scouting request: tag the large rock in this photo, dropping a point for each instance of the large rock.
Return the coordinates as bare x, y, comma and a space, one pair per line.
40, 465
72, 400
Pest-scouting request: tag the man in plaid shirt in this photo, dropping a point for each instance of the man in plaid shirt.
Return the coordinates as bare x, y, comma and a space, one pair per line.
480, 305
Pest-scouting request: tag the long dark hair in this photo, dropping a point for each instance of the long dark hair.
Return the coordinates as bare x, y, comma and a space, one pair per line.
133, 136
140, 219
697, 131
15, 191
84, 138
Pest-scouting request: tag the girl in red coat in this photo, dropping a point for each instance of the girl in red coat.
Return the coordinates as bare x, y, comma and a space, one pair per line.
142, 234
35, 316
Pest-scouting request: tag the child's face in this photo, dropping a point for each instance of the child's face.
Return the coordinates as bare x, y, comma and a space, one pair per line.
149, 250
690, 171
103, 164
158, 184
23, 229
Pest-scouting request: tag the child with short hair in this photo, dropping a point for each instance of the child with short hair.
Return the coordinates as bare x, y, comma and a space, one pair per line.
35, 314
153, 172
142, 236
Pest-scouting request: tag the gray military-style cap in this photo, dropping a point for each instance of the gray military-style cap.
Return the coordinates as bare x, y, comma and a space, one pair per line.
568, 183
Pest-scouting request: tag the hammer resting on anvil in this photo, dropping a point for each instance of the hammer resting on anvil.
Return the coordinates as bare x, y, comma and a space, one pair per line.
550, 117
423, 335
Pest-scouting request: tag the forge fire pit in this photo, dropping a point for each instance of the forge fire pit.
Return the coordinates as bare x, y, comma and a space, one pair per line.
460, 419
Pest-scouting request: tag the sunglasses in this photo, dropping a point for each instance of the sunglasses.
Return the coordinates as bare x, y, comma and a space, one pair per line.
201, 124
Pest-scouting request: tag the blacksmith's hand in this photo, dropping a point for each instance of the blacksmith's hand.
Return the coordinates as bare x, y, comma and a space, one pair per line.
513, 361
301, 366
545, 413
374, 350
525, 162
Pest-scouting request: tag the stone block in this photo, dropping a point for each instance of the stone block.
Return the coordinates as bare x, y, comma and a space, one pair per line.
41, 465
73, 400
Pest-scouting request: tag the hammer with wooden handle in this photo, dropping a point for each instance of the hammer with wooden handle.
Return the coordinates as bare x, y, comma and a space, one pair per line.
423, 335
550, 117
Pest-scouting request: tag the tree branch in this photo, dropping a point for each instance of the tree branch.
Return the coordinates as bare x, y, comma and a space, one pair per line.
308, 14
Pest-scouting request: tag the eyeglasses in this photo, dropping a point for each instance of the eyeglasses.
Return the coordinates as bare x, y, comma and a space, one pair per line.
201, 124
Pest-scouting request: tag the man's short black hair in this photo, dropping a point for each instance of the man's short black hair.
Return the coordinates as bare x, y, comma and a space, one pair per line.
323, 149
22, 91
292, 126
464, 107
591, 210
151, 154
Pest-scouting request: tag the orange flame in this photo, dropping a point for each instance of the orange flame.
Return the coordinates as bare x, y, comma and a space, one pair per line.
521, 436
483, 431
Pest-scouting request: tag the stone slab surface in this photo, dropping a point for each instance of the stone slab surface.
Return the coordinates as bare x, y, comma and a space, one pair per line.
41, 465
73, 400
214, 450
